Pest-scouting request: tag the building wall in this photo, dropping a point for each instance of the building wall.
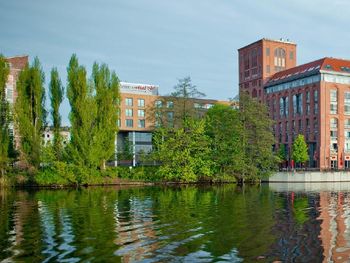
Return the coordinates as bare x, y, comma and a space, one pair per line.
261, 59
286, 128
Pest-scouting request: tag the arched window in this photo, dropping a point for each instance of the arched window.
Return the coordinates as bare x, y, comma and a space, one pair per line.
280, 59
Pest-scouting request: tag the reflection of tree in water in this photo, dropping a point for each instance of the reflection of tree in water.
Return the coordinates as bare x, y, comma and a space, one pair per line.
297, 229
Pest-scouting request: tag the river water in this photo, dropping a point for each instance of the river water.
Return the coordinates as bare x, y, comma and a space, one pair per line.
280, 222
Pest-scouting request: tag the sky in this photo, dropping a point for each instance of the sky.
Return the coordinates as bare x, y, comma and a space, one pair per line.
160, 41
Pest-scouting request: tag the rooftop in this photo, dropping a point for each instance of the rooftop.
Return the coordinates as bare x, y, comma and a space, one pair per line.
18, 62
311, 68
281, 40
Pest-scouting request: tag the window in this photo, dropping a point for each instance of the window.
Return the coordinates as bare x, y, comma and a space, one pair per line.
281, 107
118, 122
170, 118
347, 135
128, 112
170, 104
268, 69
129, 123
280, 59
298, 104
300, 125
267, 51
334, 135
347, 124
197, 106
141, 113
316, 109
141, 103
284, 106
158, 104
334, 123
315, 96
333, 101
347, 103
128, 102
291, 55
170, 115
141, 123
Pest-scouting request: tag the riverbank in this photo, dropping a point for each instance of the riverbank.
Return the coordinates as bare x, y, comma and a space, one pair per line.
308, 176
61, 177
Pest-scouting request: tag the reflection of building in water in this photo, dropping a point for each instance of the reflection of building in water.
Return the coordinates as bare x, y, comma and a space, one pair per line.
335, 226
297, 230
136, 233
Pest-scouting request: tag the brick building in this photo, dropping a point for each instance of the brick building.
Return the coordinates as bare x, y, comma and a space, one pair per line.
260, 60
16, 65
312, 99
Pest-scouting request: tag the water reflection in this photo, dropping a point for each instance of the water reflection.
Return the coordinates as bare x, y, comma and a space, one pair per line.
190, 224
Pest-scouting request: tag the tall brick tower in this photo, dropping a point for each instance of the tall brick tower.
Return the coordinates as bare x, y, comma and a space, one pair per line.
260, 60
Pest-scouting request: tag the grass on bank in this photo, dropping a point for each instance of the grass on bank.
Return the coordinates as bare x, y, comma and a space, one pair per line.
63, 174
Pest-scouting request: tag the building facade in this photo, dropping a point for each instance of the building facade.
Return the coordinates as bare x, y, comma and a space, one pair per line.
312, 99
262, 59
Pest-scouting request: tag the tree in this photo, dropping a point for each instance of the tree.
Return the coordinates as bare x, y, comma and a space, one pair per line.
282, 153
4, 116
257, 139
224, 128
56, 96
300, 150
82, 117
184, 153
175, 109
106, 86
30, 114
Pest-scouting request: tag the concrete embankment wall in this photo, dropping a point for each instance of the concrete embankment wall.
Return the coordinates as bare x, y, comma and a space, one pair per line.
307, 176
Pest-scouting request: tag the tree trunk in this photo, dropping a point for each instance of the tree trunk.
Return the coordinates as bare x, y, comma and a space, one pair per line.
103, 165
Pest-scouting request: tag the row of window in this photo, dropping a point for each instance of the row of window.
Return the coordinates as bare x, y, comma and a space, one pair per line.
334, 102
159, 104
293, 84
130, 123
297, 100
130, 113
293, 126
130, 102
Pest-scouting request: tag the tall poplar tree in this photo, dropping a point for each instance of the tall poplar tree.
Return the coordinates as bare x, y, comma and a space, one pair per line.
4, 115
106, 86
56, 96
82, 116
257, 138
30, 114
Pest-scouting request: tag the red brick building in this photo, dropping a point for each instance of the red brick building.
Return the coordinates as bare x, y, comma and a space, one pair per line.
260, 60
312, 99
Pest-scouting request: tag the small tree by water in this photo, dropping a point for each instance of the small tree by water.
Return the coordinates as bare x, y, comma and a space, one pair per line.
300, 149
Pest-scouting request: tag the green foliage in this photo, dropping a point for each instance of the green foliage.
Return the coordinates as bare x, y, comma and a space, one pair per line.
282, 153
56, 97
182, 107
141, 173
300, 149
257, 139
106, 86
224, 128
184, 153
30, 114
300, 210
126, 154
94, 114
82, 117
4, 117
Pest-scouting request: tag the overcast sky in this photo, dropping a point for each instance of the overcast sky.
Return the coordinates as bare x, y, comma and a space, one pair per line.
160, 41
